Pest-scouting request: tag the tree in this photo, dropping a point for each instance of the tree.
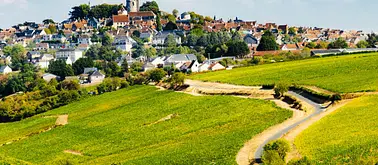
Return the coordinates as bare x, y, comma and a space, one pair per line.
137, 66
281, 147
107, 40
267, 42
236, 36
47, 31
82, 63
192, 40
292, 31
175, 12
150, 6
18, 54
139, 52
322, 45
306, 52
156, 75
340, 43
237, 48
311, 45
372, 40
158, 23
170, 26
60, 68
177, 79
93, 51
214, 39
125, 66
52, 29
271, 157
48, 21
112, 69
171, 18
170, 41
151, 52
203, 41
80, 12
362, 44
280, 89
69, 85
136, 33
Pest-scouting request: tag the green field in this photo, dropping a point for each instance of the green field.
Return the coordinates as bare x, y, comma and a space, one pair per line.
348, 136
344, 74
114, 128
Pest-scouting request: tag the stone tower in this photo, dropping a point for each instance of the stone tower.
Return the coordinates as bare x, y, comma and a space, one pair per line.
132, 5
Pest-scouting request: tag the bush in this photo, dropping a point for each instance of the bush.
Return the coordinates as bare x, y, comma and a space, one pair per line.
272, 157
303, 161
280, 89
282, 147
139, 79
177, 80
268, 86
156, 75
69, 85
257, 60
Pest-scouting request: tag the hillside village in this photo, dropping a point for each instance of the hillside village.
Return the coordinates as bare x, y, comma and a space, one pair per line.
116, 39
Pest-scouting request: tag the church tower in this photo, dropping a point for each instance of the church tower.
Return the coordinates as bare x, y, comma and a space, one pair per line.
132, 5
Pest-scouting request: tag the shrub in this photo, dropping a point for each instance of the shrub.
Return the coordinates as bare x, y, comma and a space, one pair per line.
257, 60
280, 89
272, 157
139, 79
156, 75
177, 80
268, 86
69, 85
303, 161
280, 146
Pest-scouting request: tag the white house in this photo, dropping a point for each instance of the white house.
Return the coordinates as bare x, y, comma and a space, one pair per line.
190, 66
179, 59
44, 61
96, 77
48, 77
84, 39
148, 66
124, 43
72, 54
157, 61
5, 69
216, 66
203, 67
159, 39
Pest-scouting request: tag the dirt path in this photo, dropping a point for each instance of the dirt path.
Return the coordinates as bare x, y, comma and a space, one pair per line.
62, 120
73, 152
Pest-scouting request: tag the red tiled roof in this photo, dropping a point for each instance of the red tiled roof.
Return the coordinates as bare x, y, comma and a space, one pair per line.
120, 18
142, 14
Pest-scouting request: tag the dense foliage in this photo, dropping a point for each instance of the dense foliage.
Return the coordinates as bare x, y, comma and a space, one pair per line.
267, 42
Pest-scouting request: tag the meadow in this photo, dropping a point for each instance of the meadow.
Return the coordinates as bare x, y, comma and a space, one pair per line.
121, 128
347, 136
343, 74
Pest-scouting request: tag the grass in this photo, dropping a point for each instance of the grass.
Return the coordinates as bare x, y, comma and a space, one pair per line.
113, 128
347, 136
344, 74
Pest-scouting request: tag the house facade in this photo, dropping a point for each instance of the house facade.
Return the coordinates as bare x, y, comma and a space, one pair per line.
71, 55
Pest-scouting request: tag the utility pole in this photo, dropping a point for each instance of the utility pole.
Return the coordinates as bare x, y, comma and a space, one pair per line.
209, 58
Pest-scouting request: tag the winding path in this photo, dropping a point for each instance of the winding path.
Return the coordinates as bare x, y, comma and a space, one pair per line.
253, 149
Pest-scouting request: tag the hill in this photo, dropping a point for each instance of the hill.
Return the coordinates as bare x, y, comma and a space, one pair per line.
344, 74
141, 125
348, 136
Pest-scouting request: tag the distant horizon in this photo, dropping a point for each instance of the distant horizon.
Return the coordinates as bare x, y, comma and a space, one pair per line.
30, 10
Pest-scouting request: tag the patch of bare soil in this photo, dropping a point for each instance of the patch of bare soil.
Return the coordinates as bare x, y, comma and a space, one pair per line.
292, 134
73, 152
169, 117
62, 120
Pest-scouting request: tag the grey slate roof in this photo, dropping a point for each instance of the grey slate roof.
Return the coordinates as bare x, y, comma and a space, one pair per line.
97, 73
182, 57
89, 70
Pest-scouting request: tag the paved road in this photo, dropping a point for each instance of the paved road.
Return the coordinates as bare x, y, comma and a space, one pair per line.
317, 110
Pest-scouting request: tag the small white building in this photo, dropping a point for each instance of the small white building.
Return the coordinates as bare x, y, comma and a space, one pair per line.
96, 77
216, 66
72, 54
5, 69
48, 77
84, 39
44, 61
124, 43
203, 67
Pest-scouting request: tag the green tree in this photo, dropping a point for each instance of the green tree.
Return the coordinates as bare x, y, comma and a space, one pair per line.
156, 75
338, 44
237, 48
150, 6
203, 41
272, 157
82, 63
177, 79
282, 147
170, 26
267, 42
60, 68
306, 52
104, 10
112, 69
159, 27
292, 31
139, 52
170, 41
311, 45
137, 67
18, 54
280, 89
47, 31
93, 51
80, 12
107, 40
192, 39
52, 29
125, 66
322, 45
236, 36
48, 21
175, 13
171, 18
362, 44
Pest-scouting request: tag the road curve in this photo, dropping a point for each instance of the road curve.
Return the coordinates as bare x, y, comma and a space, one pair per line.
318, 109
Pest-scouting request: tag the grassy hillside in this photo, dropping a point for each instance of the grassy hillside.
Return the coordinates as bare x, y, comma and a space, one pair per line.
115, 128
344, 74
348, 136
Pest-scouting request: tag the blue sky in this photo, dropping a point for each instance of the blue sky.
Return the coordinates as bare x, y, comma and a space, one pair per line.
344, 14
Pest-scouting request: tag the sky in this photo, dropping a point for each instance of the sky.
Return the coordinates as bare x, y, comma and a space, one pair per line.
341, 14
